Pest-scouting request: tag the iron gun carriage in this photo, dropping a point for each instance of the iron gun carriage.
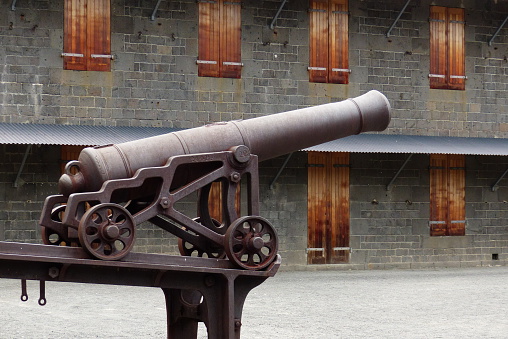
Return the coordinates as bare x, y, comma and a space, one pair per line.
110, 189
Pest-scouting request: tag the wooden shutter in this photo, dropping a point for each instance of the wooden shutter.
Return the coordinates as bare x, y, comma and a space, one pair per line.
339, 208
99, 35
219, 52
328, 208
319, 39
447, 195
329, 41
231, 56
456, 53
447, 54
438, 194
208, 48
75, 35
87, 35
456, 195
317, 200
338, 69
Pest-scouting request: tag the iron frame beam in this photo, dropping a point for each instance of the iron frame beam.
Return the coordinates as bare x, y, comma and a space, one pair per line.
222, 287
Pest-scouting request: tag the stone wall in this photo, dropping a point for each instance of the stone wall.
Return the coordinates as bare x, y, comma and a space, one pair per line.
154, 79
21, 201
390, 228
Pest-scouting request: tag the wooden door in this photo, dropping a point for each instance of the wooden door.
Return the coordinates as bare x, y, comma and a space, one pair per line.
447, 195
328, 208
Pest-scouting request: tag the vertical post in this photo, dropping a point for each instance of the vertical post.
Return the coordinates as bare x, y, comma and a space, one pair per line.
180, 324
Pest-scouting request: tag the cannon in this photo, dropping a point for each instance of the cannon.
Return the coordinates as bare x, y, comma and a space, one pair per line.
111, 189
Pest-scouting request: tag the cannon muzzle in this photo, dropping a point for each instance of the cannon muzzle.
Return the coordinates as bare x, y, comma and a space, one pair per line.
267, 137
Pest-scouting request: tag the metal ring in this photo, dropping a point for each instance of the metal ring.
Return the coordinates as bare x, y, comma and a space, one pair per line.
71, 164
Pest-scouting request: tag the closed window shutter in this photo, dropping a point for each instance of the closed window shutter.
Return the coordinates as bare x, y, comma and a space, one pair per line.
231, 57
338, 71
75, 35
319, 40
208, 50
456, 55
87, 35
438, 53
99, 35
447, 54
219, 52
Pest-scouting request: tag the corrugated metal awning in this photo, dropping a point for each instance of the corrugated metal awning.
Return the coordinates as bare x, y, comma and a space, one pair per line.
41, 134
385, 143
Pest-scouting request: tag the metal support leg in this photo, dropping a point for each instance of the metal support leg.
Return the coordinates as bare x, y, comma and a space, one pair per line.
272, 25
182, 311
280, 170
389, 186
27, 151
152, 17
397, 19
498, 30
494, 187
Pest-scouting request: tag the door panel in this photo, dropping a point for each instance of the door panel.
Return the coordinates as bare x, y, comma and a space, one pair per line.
328, 208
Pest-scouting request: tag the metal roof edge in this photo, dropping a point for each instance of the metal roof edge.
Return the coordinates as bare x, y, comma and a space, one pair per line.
78, 135
417, 144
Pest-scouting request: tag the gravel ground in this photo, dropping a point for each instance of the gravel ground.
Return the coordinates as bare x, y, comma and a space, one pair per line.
445, 303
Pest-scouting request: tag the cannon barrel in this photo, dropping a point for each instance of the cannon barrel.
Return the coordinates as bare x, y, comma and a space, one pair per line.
267, 137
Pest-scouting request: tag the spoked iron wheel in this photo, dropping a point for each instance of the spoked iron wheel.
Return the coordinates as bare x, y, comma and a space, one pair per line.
57, 238
107, 231
251, 242
210, 251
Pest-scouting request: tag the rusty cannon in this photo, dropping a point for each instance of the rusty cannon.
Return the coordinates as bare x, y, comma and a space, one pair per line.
111, 189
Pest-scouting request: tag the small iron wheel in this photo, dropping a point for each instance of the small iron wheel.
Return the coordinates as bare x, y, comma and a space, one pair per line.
211, 250
53, 237
107, 231
251, 242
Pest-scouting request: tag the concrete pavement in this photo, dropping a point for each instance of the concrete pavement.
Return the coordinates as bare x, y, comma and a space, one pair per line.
444, 303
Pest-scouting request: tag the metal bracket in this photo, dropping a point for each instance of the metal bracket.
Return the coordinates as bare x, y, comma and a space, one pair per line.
397, 19
315, 249
498, 30
389, 186
494, 187
277, 15
27, 151
280, 170
343, 249
152, 17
